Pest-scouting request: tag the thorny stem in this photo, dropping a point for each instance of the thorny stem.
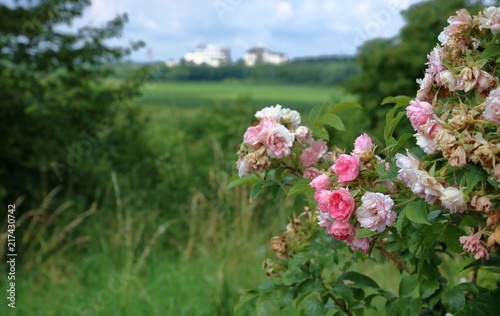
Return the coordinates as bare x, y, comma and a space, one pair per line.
393, 257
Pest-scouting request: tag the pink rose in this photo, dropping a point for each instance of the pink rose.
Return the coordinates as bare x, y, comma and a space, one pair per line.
311, 173
311, 155
375, 212
492, 110
473, 245
342, 230
324, 220
322, 197
419, 113
362, 144
304, 135
256, 134
356, 244
346, 167
278, 141
321, 182
436, 65
341, 205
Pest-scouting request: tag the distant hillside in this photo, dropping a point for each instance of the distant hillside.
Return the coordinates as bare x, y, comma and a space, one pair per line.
324, 70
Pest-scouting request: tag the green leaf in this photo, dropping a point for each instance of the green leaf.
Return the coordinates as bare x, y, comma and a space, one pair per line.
402, 139
319, 131
401, 221
453, 299
391, 124
235, 180
358, 280
474, 174
486, 304
451, 237
300, 188
365, 233
407, 284
493, 261
331, 120
315, 113
257, 188
389, 175
265, 305
312, 305
399, 101
490, 51
416, 212
344, 106
427, 287
404, 307
244, 300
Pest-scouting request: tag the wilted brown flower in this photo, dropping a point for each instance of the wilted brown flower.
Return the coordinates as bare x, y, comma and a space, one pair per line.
458, 157
481, 203
279, 246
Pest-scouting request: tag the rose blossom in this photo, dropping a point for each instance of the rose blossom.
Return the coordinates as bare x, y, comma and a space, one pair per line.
492, 110
256, 134
290, 118
324, 220
304, 135
272, 113
311, 173
491, 20
342, 230
356, 244
341, 204
313, 154
471, 244
363, 144
278, 141
321, 182
346, 167
419, 113
436, 63
426, 93
453, 199
428, 144
322, 197
375, 212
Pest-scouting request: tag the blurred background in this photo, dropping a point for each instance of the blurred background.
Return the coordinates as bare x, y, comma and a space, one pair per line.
120, 122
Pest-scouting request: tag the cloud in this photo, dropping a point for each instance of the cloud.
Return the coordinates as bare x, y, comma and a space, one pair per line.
296, 27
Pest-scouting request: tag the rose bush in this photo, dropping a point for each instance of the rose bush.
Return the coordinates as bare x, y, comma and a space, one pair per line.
420, 207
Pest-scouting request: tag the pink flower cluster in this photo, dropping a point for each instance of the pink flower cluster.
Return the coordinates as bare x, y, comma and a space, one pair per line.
273, 137
473, 245
425, 186
338, 205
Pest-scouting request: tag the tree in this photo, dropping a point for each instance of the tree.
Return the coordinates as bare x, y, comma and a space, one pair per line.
63, 124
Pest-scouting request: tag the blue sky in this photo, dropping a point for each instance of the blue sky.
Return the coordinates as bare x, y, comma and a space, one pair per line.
298, 28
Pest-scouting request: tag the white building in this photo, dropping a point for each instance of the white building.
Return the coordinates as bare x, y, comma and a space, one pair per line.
213, 55
260, 55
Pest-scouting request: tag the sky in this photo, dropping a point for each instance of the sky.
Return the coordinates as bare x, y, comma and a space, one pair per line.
298, 28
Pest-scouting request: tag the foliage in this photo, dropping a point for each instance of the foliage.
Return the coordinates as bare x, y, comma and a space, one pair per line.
420, 210
62, 124
323, 71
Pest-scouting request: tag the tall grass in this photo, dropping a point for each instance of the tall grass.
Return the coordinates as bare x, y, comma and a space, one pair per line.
187, 247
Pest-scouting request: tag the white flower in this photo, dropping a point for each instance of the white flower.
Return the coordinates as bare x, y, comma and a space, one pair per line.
375, 212
290, 118
453, 199
428, 145
272, 112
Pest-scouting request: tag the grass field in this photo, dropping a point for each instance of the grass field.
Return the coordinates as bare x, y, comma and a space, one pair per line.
193, 94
